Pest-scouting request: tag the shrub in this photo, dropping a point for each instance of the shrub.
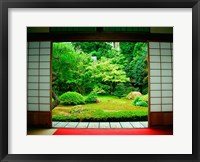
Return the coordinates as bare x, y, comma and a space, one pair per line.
121, 90
136, 100
145, 90
72, 98
92, 98
145, 98
141, 101
102, 89
133, 95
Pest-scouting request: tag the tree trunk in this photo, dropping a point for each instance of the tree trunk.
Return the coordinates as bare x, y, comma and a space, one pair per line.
111, 88
56, 100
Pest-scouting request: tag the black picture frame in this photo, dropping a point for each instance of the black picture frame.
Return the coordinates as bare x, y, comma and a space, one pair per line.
6, 4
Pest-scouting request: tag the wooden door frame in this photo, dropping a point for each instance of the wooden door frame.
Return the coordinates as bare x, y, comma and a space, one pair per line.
101, 37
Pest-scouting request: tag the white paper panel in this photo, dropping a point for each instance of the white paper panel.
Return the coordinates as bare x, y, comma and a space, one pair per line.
155, 65
155, 80
32, 85
155, 87
39, 64
154, 52
45, 65
165, 45
45, 51
33, 45
44, 100
167, 86
154, 58
166, 52
32, 92
44, 107
166, 72
155, 108
166, 100
33, 99
155, 72
34, 65
32, 78
167, 108
33, 107
154, 45
166, 59
44, 71
161, 72
44, 86
166, 79
45, 79
166, 65
166, 93
155, 93
33, 72
45, 44
44, 93
45, 58
33, 58
156, 101
33, 51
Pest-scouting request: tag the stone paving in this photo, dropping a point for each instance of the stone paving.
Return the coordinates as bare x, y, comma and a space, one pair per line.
142, 124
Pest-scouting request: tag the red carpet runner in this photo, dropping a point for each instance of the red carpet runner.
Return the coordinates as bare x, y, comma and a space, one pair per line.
132, 131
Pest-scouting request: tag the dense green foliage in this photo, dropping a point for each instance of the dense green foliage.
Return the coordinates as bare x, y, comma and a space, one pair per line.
116, 70
105, 73
92, 98
72, 98
123, 89
141, 101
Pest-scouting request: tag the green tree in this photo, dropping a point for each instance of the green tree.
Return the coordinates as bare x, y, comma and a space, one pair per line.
69, 69
103, 71
97, 49
126, 49
138, 67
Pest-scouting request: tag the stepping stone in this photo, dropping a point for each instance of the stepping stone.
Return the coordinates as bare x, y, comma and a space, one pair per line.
54, 123
71, 125
82, 125
61, 125
137, 125
126, 125
145, 124
104, 125
93, 125
115, 125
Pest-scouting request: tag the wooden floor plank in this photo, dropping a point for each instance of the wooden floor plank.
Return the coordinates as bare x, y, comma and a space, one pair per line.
104, 125
82, 125
54, 123
137, 125
145, 124
115, 125
93, 125
126, 125
71, 125
61, 125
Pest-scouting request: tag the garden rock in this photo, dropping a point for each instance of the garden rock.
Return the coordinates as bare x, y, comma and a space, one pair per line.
133, 95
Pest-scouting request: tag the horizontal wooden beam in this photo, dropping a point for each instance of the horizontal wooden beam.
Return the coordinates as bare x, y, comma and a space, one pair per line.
84, 37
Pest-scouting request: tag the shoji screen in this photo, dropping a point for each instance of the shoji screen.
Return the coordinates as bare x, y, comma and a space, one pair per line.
38, 77
161, 78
